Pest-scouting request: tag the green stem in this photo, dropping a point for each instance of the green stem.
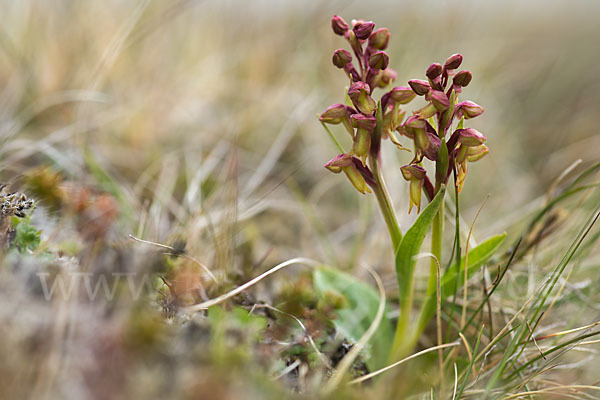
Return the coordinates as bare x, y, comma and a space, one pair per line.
385, 204
403, 343
437, 234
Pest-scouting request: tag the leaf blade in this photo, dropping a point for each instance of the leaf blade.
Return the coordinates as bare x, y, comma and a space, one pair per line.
354, 320
411, 244
477, 257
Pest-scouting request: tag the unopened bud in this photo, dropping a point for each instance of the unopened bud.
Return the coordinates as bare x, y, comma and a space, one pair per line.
401, 94
339, 113
379, 39
468, 109
439, 100
340, 27
379, 60
413, 172
419, 86
334, 114
433, 146
434, 71
470, 137
347, 164
462, 78
341, 57
340, 161
363, 30
359, 93
364, 122
453, 61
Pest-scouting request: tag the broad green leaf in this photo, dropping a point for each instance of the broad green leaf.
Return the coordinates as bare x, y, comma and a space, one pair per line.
476, 258
411, 244
354, 319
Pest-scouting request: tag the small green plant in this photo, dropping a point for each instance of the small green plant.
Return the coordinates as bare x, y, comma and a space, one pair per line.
442, 148
27, 237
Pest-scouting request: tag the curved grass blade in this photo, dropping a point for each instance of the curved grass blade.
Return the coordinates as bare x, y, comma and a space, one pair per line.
477, 257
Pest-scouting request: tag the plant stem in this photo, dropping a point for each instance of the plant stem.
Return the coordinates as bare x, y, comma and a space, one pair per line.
405, 339
437, 234
402, 343
385, 204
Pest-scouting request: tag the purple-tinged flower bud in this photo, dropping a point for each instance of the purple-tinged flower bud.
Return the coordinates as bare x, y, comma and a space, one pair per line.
470, 137
363, 30
346, 163
373, 77
477, 152
468, 109
410, 172
416, 175
340, 27
453, 61
333, 114
419, 86
433, 146
379, 60
339, 113
379, 39
366, 122
401, 95
439, 100
340, 161
359, 93
462, 78
388, 76
341, 57
434, 71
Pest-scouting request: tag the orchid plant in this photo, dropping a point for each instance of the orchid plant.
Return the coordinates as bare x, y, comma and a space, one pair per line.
438, 137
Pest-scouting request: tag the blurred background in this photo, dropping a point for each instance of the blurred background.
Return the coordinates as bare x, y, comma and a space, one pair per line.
204, 115
169, 92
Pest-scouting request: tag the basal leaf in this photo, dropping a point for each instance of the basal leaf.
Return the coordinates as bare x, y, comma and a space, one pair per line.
354, 319
411, 244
